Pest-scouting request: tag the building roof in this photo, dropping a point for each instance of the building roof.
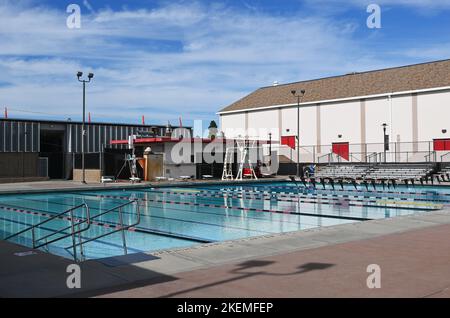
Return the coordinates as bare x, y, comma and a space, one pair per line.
162, 140
68, 122
398, 79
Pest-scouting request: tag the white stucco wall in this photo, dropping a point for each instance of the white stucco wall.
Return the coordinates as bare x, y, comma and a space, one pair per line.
233, 125
340, 119
377, 112
434, 115
401, 125
260, 124
308, 131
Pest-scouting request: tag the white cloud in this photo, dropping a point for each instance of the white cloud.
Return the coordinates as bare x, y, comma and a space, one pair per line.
423, 4
216, 56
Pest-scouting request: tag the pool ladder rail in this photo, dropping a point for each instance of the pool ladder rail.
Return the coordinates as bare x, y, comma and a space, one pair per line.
119, 228
76, 228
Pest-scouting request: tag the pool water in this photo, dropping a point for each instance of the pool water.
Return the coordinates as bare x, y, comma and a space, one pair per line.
187, 216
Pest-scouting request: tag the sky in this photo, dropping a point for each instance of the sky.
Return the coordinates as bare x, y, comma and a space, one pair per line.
189, 59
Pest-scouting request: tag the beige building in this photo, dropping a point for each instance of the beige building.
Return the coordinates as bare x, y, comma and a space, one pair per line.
341, 117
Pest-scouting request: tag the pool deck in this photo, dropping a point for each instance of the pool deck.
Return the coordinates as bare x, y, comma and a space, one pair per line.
69, 185
413, 253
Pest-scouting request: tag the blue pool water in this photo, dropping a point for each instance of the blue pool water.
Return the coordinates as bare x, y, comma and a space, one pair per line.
187, 216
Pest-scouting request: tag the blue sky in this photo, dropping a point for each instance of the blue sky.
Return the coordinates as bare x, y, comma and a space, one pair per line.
165, 59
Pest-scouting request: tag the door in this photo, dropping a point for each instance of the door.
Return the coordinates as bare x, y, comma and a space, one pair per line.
52, 147
341, 149
441, 144
288, 141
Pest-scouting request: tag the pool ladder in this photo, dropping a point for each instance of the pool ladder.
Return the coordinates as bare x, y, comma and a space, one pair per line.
76, 228
118, 228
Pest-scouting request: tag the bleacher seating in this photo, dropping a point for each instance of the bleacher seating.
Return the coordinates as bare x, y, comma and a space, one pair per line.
443, 174
377, 172
399, 172
342, 171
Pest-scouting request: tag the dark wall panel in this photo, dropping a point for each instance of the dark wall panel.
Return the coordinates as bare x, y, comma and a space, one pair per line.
2, 136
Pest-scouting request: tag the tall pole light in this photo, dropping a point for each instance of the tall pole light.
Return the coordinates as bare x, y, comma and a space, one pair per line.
270, 148
299, 99
83, 128
385, 142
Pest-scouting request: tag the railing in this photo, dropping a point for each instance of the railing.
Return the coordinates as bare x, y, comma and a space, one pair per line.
354, 158
381, 157
404, 156
120, 228
445, 155
76, 230
372, 156
431, 154
366, 149
319, 159
73, 233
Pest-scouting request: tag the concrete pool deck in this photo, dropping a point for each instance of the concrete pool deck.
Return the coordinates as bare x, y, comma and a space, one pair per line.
412, 251
69, 185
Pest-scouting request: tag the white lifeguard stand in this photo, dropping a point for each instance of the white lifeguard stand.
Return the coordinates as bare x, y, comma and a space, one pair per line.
243, 146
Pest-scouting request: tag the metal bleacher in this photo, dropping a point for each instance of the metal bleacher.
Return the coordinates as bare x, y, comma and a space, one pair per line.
376, 172
399, 172
443, 174
342, 171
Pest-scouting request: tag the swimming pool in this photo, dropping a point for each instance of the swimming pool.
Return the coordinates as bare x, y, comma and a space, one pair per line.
175, 217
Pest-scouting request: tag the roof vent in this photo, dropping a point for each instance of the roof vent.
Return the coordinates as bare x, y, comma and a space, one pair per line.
275, 83
352, 73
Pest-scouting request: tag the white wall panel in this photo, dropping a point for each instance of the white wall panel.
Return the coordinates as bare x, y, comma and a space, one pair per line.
233, 125
433, 115
377, 113
340, 119
401, 125
260, 124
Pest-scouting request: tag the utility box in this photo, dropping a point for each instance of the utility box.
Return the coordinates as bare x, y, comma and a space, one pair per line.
154, 166
91, 175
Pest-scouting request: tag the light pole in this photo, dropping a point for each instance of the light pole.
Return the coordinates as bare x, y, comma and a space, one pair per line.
83, 129
270, 148
385, 141
299, 98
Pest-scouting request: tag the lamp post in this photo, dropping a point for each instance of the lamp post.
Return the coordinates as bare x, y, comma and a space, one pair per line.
83, 129
299, 99
270, 148
385, 141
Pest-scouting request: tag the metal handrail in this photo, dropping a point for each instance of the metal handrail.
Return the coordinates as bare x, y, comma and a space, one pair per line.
354, 157
372, 155
428, 157
326, 155
57, 216
445, 155
120, 228
311, 152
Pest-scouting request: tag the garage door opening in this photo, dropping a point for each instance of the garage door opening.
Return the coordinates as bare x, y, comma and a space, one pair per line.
52, 147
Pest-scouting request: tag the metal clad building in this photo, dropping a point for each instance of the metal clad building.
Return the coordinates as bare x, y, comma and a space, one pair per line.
23, 135
59, 140
19, 136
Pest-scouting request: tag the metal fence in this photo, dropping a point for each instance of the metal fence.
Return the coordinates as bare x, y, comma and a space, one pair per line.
397, 152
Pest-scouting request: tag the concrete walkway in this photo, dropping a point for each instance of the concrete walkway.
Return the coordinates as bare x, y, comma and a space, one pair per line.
69, 185
59, 185
413, 264
413, 252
